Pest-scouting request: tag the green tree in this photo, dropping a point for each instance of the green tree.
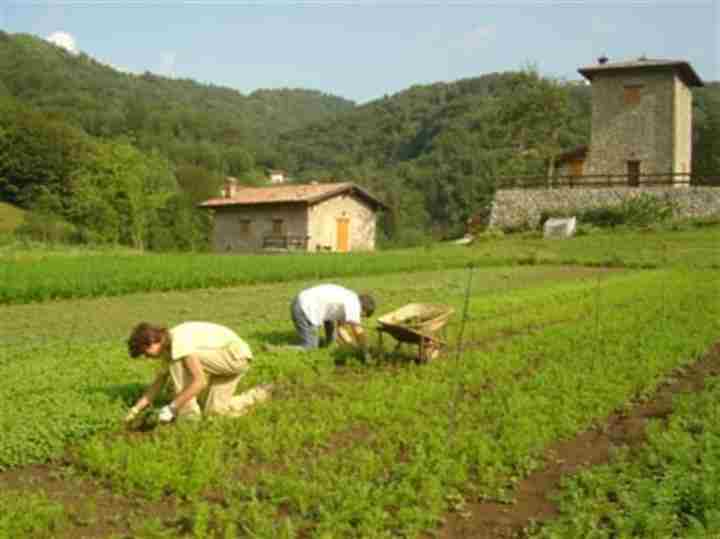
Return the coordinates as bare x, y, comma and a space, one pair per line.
118, 191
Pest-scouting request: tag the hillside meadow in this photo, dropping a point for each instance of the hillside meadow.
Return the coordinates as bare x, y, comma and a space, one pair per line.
547, 340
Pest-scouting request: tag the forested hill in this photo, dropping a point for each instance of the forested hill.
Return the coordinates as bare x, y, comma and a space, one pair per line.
158, 112
125, 158
433, 151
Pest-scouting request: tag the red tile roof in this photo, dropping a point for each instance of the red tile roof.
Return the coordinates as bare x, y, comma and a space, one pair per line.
285, 194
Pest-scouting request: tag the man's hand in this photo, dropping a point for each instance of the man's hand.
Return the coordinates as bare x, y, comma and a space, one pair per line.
132, 413
166, 414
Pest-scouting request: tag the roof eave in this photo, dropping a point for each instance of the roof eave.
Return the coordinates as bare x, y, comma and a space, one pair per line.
684, 69
347, 187
206, 206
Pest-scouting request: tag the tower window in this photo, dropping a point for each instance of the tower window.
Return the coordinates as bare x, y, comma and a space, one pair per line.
632, 94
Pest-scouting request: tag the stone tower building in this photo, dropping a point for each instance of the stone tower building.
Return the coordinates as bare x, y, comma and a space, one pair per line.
641, 117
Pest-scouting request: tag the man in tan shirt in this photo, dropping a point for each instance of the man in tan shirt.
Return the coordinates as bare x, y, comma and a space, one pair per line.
197, 357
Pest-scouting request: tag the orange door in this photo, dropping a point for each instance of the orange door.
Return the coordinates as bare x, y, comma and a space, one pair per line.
576, 167
343, 235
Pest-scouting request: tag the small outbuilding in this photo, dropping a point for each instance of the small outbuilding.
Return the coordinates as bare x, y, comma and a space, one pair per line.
304, 217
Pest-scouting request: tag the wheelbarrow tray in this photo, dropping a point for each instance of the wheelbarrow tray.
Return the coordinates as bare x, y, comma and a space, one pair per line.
415, 321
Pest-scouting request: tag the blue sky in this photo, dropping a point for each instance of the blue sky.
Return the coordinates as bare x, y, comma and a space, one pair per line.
362, 50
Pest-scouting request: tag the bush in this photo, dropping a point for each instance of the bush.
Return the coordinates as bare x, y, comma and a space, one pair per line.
641, 211
647, 210
45, 227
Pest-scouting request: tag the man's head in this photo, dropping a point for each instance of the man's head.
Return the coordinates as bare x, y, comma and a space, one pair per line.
147, 339
367, 304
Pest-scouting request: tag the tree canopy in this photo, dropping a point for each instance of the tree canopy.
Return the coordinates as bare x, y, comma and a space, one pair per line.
126, 157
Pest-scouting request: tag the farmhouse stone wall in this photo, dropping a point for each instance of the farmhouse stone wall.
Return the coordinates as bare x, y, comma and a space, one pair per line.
242, 228
323, 223
522, 208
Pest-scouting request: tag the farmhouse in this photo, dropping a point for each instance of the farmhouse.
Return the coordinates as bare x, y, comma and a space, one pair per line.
305, 217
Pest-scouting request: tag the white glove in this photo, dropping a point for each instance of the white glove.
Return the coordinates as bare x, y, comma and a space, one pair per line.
132, 414
166, 414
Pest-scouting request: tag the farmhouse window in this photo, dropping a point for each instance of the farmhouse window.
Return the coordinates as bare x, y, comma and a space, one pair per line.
278, 227
632, 94
245, 228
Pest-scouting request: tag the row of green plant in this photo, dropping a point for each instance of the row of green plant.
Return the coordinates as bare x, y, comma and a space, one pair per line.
76, 378
70, 277
668, 488
381, 452
55, 277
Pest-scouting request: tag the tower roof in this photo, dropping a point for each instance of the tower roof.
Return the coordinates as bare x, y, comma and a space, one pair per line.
681, 67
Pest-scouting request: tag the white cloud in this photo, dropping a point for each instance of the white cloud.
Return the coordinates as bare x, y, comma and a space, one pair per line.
168, 59
477, 38
64, 40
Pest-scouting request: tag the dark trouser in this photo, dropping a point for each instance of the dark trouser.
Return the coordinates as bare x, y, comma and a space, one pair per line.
306, 331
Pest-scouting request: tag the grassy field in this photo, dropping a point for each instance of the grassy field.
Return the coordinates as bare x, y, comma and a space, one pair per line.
539, 350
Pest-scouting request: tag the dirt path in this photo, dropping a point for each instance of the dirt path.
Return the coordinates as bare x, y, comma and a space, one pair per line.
488, 520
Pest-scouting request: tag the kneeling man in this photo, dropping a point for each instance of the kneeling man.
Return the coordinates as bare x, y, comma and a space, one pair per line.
197, 357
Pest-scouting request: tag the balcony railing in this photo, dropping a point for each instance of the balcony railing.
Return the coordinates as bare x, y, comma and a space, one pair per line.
285, 242
608, 180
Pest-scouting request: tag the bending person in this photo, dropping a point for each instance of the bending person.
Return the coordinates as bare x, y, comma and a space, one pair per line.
198, 357
327, 305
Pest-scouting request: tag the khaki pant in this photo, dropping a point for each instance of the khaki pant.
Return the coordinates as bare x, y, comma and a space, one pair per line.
223, 369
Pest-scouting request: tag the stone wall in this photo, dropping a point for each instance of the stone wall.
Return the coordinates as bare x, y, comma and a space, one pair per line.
522, 208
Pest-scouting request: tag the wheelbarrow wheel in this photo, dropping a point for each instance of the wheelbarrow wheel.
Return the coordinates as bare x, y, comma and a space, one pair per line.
429, 350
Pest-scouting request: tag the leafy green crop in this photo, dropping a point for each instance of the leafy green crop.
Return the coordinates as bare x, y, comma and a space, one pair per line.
669, 488
373, 452
32, 515
346, 449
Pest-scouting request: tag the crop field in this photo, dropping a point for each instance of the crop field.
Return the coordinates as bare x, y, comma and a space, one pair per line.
37, 276
548, 340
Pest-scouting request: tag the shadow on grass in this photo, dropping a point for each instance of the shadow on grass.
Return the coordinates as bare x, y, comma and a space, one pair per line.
276, 337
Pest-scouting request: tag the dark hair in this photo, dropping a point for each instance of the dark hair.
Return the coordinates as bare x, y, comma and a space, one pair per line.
144, 335
367, 303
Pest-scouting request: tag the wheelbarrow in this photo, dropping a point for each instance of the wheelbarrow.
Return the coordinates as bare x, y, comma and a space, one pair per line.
416, 324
